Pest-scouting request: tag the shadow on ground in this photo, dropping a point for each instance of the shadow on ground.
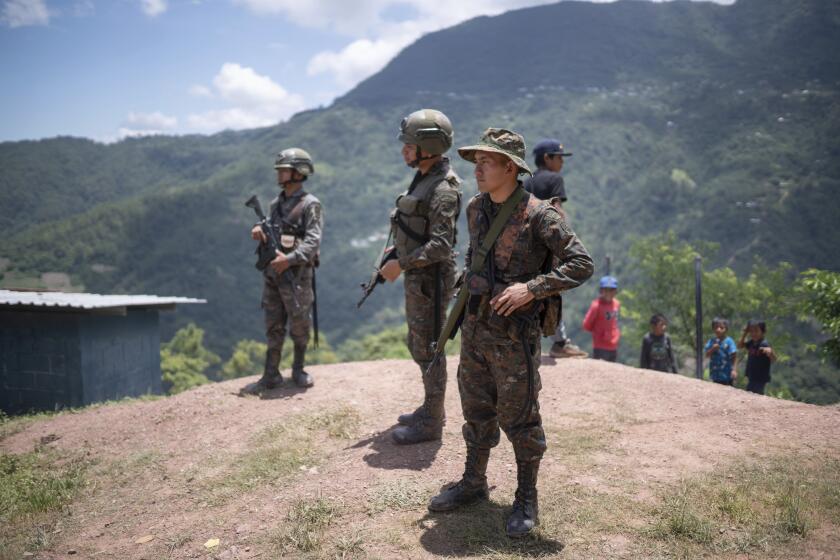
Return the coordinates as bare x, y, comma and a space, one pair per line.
285, 391
385, 454
478, 530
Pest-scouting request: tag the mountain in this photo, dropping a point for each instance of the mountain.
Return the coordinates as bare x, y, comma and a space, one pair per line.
718, 122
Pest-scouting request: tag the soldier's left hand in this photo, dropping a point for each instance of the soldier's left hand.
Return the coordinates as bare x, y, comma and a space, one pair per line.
391, 271
514, 297
280, 263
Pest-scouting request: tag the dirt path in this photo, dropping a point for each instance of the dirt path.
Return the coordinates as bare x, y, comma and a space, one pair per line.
209, 464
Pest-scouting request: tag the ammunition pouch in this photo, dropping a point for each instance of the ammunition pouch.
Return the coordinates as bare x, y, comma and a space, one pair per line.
412, 223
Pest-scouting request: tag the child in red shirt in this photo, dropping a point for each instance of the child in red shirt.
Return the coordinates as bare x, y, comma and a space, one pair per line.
602, 321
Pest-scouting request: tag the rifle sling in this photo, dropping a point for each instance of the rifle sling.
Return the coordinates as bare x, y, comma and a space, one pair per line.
477, 263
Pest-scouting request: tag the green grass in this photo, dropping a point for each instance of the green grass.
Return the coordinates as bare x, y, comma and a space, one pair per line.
761, 506
396, 495
303, 529
33, 488
279, 452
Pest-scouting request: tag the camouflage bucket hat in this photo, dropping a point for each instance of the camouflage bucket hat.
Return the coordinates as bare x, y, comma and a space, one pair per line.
500, 141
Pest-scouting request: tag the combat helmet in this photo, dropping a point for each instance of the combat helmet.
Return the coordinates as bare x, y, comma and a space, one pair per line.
297, 159
428, 129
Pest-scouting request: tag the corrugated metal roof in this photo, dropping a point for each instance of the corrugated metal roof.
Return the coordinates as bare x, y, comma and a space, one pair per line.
12, 298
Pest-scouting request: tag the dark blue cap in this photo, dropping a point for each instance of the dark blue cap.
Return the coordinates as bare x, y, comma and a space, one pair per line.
550, 146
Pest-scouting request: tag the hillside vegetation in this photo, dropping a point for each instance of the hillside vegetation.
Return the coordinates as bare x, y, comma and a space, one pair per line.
719, 123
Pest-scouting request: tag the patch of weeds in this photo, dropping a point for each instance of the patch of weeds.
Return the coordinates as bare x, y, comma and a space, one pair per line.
177, 542
276, 453
349, 546
681, 517
397, 494
342, 423
37, 482
759, 506
305, 524
791, 517
34, 487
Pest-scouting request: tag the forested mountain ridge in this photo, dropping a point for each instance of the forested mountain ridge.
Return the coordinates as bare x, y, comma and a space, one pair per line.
720, 123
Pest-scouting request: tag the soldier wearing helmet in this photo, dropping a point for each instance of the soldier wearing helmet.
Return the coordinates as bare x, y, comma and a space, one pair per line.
534, 256
287, 298
423, 228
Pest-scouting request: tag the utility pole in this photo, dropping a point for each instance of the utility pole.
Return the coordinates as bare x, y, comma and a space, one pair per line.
698, 313
609, 259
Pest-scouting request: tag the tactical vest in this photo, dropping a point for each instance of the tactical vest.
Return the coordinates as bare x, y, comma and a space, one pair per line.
411, 216
290, 228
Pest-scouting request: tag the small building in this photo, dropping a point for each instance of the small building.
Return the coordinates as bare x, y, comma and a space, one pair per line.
60, 350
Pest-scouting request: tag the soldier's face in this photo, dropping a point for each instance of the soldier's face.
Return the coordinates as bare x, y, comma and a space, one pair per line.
493, 171
284, 175
409, 154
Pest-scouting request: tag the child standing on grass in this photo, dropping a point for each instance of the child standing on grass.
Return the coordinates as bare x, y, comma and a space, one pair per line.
602, 321
759, 356
657, 353
722, 354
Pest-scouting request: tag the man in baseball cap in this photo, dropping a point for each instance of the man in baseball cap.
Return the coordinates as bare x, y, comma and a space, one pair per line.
547, 184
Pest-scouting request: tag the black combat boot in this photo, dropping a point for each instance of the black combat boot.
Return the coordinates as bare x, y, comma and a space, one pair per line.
271, 377
525, 513
410, 418
428, 425
302, 379
471, 488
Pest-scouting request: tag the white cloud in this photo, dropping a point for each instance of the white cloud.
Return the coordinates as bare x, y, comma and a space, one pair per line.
147, 124
152, 120
200, 91
256, 101
21, 13
153, 8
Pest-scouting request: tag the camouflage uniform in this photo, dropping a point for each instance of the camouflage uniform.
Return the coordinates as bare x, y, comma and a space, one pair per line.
498, 376
433, 212
283, 303
493, 373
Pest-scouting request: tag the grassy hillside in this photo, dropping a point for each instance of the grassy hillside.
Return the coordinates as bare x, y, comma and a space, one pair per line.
693, 117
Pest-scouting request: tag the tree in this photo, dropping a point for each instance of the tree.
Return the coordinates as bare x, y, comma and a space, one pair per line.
821, 298
665, 284
184, 361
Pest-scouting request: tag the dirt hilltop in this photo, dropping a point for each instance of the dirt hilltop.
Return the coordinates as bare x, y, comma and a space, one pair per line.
640, 465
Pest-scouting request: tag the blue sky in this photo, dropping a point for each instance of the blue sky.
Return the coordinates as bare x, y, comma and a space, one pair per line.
107, 69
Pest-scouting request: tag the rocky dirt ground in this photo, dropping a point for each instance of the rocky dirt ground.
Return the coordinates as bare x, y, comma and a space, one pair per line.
632, 457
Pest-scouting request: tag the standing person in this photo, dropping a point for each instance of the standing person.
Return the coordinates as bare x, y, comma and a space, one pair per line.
759, 355
602, 321
423, 227
657, 352
498, 376
287, 298
722, 354
546, 184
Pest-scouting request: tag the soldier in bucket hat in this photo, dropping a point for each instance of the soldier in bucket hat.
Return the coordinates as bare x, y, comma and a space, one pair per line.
498, 375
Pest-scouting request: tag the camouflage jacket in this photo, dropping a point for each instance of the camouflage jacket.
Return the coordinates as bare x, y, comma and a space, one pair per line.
307, 229
436, 213
534, 233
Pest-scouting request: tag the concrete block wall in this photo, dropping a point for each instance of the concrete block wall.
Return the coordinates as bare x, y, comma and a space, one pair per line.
50, 360
39, 362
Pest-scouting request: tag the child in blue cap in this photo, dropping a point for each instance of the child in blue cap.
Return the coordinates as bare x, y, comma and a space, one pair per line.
602, 321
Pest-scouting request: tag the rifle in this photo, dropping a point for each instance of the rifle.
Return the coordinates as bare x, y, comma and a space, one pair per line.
267, 251
456, 315
387, 254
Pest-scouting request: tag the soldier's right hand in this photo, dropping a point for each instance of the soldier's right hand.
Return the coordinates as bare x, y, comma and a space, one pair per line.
257, 234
